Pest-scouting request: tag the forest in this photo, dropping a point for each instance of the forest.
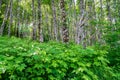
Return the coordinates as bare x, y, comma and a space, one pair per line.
59, 39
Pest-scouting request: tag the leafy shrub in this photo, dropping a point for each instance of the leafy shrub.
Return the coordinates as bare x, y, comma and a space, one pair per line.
113, 40
24, 60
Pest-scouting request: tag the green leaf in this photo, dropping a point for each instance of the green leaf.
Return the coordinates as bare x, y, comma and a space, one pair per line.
21, 67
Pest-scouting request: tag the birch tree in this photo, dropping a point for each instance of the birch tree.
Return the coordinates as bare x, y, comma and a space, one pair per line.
5, 18
54, 20
40, 33
80, 24
18, 20
11, 18
108, 10
34, 26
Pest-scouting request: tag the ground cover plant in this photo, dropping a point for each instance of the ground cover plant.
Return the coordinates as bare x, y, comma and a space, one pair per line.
22, 60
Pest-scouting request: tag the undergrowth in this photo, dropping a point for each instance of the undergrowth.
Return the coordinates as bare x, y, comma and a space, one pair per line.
24, 59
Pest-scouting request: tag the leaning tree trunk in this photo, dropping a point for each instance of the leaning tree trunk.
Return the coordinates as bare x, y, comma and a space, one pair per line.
40, 33
11, 18
65, 35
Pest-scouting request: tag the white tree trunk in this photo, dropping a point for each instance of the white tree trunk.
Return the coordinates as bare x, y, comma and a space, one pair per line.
11, 18
4, 20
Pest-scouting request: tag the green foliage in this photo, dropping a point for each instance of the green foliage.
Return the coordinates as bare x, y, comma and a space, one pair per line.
23, 60
112, 38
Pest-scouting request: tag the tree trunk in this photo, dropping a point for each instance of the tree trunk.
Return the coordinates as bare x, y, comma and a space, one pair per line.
65, 35
80, 24
18, 20
91, 18
101, 18
11, 18
34, 27
115, 10
74, 19
22, 23
108, 10
4, 20
40, 33
101, 9
54, 20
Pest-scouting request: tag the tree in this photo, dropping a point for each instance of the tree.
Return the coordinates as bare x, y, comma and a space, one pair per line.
81, 22
39, 22
5, 19
34, 26
54, 20
11, 18
65, 35
108, 10
18, 20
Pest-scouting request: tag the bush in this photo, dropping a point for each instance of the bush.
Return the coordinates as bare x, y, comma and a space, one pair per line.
113, 40
24, 60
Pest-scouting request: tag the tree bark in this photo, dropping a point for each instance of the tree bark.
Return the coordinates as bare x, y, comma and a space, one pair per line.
22, 23
40, 32
65, 35
115, 10
108, 10
11, 18
34, 27
54, 20
4, 20
80, 23
18, 20
74, 20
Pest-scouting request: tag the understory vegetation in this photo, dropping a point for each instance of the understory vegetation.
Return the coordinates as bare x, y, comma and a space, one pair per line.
59, 39
22, 60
